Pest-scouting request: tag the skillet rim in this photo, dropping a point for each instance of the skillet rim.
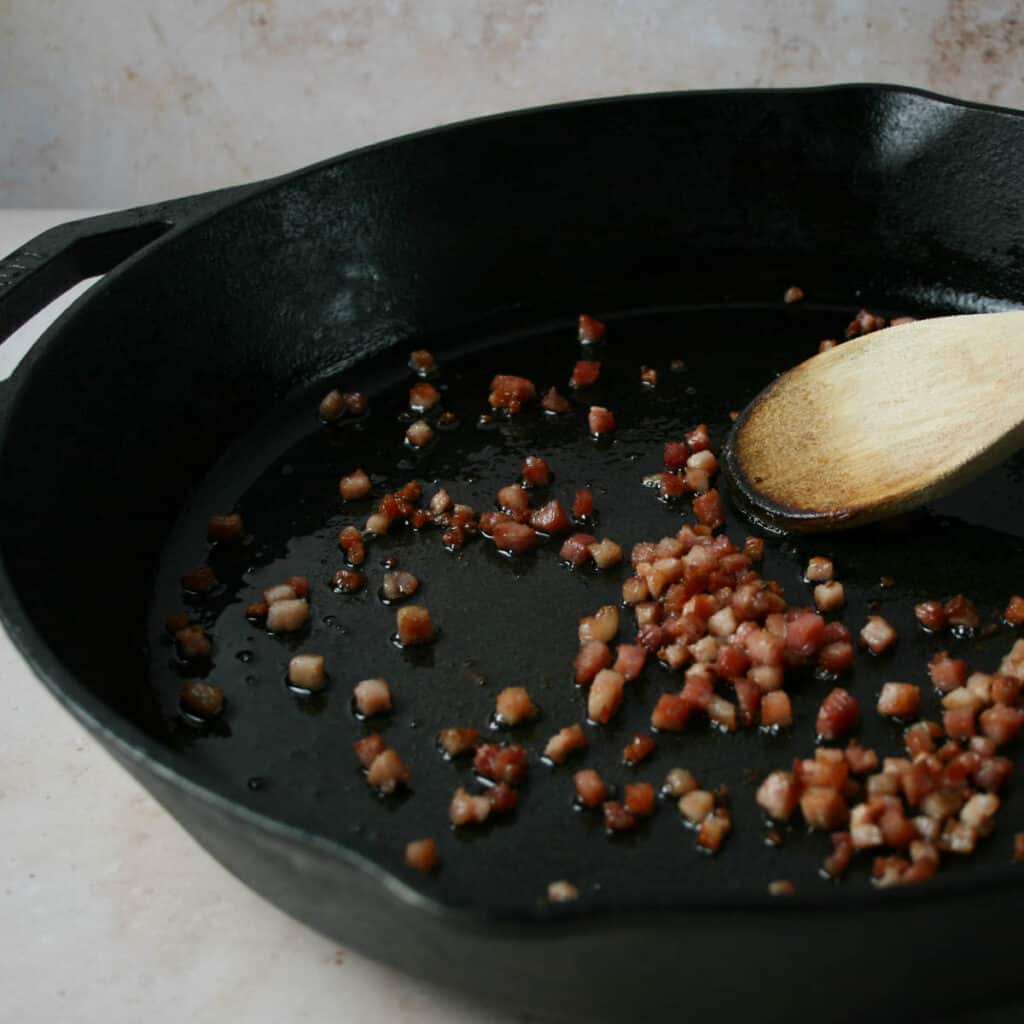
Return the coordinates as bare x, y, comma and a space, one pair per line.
131, 745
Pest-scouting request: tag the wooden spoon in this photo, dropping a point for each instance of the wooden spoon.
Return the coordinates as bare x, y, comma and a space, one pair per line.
883, 423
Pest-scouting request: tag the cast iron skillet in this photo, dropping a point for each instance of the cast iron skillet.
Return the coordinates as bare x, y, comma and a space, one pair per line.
187, 378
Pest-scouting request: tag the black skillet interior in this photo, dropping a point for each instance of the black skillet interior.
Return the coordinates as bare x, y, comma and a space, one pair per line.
513, 621
184, 384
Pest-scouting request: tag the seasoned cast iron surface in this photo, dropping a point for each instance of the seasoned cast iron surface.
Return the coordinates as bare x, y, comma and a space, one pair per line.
513, 621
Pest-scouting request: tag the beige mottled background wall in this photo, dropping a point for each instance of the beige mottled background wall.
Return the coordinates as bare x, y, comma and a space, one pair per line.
105, 103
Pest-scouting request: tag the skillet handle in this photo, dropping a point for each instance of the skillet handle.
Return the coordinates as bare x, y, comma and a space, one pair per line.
44, 268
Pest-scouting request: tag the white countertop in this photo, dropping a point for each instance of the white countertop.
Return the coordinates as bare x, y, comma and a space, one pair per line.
110, 912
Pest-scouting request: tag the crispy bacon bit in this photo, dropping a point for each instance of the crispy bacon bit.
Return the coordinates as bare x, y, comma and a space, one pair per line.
279, 592
564, 743
585, 374
805, 633
878, 634
753, 548
1014, 614
514, 706
695, 805
678, 783
225, 528
398, 585
959, 723
1001, 723
378, 524
177, 622
979, 812
698, 439
602, 625
419, 434
511, 393
1005, 689
414, 626
468, 809
648, 376
823, 808
288, 616
606, 554
593, 656
307, 672
947, 673
838, 714
350, 540
372, 697
864, 323
440, 503
860, 760
348, 581
713, 830
961, 613
618, 817
590, 788
675, 455
931, 615
369, 747
551, 518
200, 580
776, 710
778, 795
829, 596
332, 406
193, 644
515, 538
583, 505
562, 892
671, 713
202, 700
819, 570
456, 742
842, 852
501, 763
423, 396
421, 854
513, 498
590, 330
640, 799
356, 403
387, 772
555, 403
638, 748
902, 700
600, 420
535, 471
576, 549
504, 799
793, 294
709, 509
672, 485
605, 696
629, 660
422, 362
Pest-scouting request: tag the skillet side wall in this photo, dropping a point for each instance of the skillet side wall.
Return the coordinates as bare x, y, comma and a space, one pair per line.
124, 407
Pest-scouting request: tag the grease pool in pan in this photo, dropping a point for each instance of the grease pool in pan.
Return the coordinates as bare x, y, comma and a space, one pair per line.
513, 621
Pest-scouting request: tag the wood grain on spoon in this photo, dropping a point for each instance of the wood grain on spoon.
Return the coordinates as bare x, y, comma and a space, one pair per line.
883, 423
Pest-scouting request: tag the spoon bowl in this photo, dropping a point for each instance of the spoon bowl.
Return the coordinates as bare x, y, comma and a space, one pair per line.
881, 424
